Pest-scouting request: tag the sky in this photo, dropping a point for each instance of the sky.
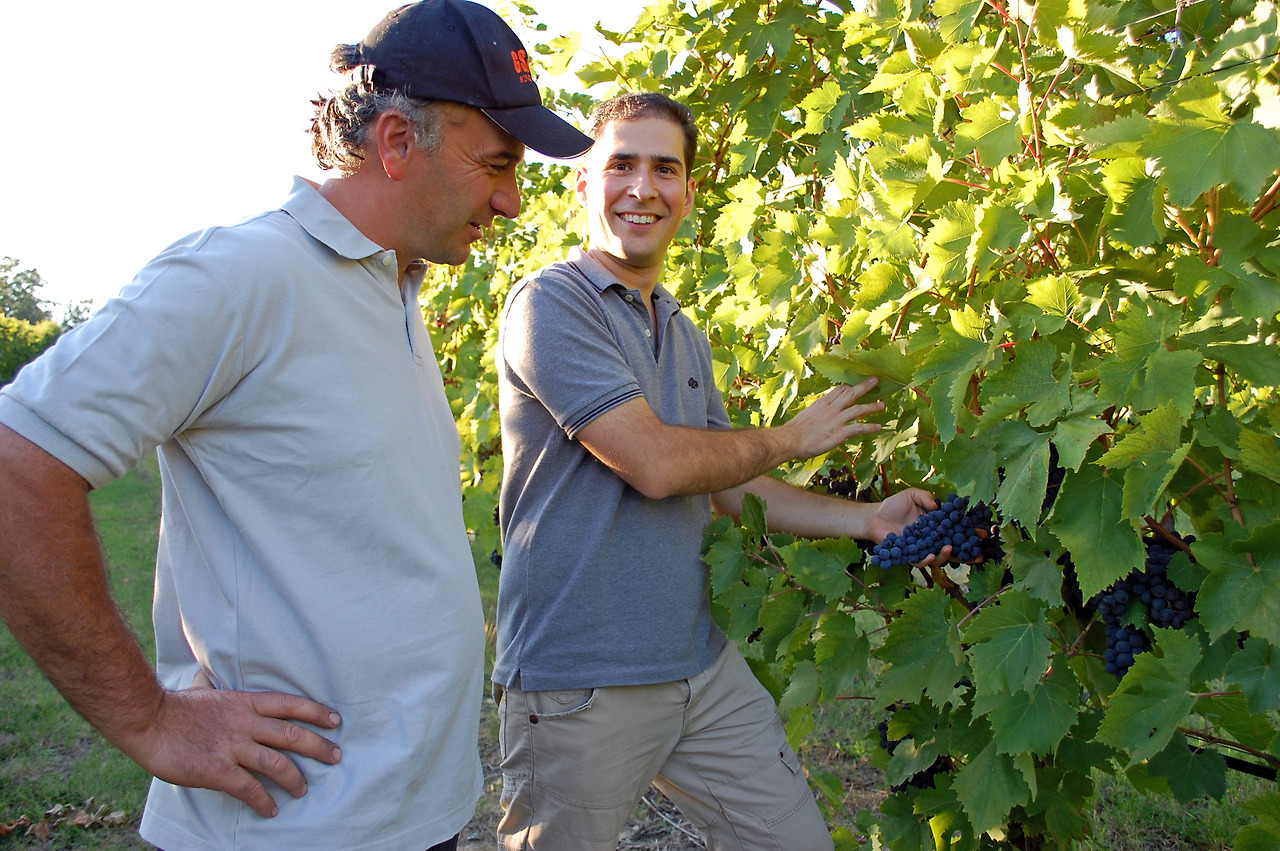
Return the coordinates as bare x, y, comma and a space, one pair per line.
128, 125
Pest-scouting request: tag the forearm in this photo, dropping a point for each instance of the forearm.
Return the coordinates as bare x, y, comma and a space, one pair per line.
55, 596
661, 461
800, 512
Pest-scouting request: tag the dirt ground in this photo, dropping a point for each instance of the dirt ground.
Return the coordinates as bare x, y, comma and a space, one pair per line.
656, 824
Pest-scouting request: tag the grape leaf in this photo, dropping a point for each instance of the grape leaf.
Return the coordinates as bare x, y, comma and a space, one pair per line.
1136, 200
922, 652
1256, 669
1009, 644
842, 653
1260, 453
742, 602
991, 128
1034, 721
952, 362
1152, 454
1029, 378
1190, 774
1074, 435
1243, 583
820, 565
1154, 697
780, 614
1087, 518
1026, 473
989, 787
1198, 147
725, 554
802, 688
947, 244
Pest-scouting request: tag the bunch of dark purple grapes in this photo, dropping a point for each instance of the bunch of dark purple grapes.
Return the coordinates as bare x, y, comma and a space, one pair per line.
920, 780
841, 482
972, 533
1167, 605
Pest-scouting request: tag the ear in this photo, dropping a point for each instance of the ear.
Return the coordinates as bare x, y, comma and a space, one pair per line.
580, 184
394, 135
688, 199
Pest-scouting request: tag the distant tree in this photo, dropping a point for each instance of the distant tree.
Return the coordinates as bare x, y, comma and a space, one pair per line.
22, 342
26, 326
18, 299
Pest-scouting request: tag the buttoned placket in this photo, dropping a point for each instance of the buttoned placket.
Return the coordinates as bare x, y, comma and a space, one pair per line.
634, 299
387, 260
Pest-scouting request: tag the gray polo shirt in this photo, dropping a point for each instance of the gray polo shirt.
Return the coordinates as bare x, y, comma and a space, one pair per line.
312, 538
600, 585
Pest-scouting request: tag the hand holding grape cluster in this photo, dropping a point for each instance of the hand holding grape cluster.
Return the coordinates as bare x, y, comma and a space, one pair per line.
972, 533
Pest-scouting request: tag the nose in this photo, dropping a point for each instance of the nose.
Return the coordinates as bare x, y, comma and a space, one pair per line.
641, 185
505, 200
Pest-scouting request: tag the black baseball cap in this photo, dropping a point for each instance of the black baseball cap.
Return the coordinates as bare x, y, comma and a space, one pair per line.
459, 51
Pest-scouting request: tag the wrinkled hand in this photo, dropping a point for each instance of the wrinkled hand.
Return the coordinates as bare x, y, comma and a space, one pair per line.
220, 739
832, 419
900, 511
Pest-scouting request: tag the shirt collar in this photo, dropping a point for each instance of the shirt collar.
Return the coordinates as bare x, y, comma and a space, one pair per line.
602, 280
325, 224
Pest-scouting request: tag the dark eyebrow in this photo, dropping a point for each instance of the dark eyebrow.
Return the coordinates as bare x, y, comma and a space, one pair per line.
627, 156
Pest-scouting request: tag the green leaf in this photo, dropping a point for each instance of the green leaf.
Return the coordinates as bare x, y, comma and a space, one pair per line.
1056, 295
780, 614
1152, 453
1260, 453
753, 516
842, 654
1243, 583
725, 554
742, 602
1009, 644
1087, 518
803, 687
820, 566
1153, 698
989, 786
1029, 378
1136, 200
1073, 437
1171, 377
1034, 721
952, 362
1256, 670
991, 128
820, 103
922, 652
947, 243
1198, 147
1190, 774
1026, 472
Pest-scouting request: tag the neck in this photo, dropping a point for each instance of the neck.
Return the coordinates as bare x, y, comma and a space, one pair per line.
350, 197
641, 278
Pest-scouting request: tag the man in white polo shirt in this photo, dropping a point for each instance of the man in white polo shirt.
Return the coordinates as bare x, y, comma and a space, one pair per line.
318, 624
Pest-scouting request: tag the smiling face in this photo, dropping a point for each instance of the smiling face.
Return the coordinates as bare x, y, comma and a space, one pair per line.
457, 190
636, 189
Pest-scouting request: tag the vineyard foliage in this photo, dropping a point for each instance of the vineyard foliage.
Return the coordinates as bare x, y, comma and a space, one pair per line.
1052, 231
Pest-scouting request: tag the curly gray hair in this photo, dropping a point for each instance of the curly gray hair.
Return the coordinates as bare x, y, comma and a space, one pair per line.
343, 119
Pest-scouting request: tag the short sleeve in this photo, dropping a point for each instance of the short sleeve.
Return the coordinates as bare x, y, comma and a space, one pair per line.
557, 347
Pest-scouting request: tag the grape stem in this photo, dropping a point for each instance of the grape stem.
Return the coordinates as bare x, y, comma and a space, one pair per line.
1215, 740
979, 607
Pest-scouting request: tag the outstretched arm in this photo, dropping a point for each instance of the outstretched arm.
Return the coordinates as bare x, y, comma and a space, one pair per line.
660, 460
55, 598
801, 512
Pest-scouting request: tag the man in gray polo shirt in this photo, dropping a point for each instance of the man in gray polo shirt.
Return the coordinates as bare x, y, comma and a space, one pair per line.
617, 447
319, 634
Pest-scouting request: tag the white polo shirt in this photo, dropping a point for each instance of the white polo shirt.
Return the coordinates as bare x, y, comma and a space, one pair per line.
312, 539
